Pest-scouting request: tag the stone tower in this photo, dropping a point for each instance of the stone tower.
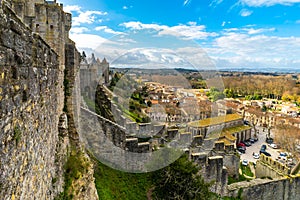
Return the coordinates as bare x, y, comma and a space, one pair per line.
48, 19
104, 66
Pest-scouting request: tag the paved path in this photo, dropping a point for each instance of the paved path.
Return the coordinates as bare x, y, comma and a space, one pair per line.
257, 145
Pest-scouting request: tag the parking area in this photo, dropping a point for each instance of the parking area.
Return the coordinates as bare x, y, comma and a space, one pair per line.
255, 147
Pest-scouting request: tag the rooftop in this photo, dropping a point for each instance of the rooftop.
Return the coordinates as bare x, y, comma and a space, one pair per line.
226, 133
226, 142
215, 120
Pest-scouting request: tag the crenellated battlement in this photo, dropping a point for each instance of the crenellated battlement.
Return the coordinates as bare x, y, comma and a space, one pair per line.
268, 167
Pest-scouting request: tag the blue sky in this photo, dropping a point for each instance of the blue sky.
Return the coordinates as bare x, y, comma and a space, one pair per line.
224, 33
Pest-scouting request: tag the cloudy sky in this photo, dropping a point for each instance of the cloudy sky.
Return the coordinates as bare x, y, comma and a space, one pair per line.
252, 34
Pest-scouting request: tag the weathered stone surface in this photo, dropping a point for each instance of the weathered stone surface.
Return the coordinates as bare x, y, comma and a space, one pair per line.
265, 189
232, 163
33, 141
29, 135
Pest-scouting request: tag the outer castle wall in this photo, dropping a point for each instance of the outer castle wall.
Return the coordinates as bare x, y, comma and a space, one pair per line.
28, 109
39, 105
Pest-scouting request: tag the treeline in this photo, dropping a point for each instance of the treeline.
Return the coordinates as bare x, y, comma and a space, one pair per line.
258, 86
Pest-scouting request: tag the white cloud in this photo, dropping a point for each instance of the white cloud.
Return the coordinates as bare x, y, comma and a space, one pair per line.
250, 31
125, 7
186, 2
214, 3
241, 49
267, 3
196, 56
189, 31
126, 40
140, 26
246, 12
188, 57
81, 17
109, 51
224, 23
151, 58
71, 8
107, 30
87, 17
235, 48
87, 40
77, 30
192, 23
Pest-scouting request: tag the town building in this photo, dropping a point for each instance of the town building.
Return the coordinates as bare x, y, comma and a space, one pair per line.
227, 128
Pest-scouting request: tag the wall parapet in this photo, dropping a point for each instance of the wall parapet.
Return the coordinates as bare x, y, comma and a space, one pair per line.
268, 167
286, 188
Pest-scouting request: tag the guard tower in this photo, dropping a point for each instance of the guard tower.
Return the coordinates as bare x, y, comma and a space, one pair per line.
104, 65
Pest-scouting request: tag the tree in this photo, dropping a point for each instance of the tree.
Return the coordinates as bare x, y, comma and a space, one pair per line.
254, 116
229, 93
264, 107
287, 137
269, 127
149, 103
286, 97
214, 94
180, 180
298, 101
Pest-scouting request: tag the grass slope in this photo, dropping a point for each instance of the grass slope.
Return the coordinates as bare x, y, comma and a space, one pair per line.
114, 184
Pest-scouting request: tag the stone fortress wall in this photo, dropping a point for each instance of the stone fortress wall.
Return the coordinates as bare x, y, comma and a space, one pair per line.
132, 130
38, 69
107, 141
92, 73
268, 167
39, 110
29, 115
286, 188
114, 125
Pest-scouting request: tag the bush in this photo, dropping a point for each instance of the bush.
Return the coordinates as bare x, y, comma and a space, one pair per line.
246, 170
17, 135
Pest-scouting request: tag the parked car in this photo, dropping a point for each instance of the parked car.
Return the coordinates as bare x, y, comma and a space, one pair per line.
252, 140
245, 162
241, 144
241, 149
263, 147
248, 144
269, 140
282, 158
256, 156
274, 146
283, 154
264, 152
290, 164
